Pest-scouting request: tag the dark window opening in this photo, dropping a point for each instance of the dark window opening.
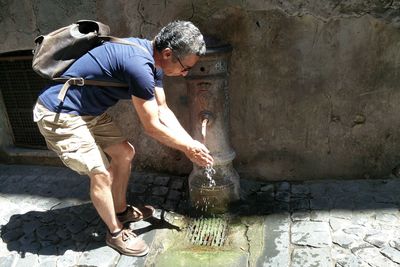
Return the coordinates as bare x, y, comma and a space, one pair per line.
20, 87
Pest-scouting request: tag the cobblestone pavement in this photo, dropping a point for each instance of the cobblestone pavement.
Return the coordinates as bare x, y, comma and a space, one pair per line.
48, 220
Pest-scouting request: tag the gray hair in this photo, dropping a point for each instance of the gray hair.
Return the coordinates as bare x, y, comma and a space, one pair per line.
182, 37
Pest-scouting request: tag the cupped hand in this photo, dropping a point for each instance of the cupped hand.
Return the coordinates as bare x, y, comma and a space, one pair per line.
199, 154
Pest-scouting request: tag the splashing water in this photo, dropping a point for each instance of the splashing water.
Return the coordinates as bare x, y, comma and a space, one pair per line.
209, 172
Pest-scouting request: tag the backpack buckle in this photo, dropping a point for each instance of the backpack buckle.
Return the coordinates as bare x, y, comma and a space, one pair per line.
77, 81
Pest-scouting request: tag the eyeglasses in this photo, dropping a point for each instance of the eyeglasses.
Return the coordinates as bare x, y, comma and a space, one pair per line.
184, 69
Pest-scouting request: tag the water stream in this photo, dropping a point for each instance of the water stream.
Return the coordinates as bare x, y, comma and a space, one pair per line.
209, 170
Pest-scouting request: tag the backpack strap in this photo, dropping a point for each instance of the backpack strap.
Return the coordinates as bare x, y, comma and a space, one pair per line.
79, 81
122, 41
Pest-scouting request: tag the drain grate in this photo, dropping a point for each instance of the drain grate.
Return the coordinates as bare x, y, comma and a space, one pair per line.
208, 232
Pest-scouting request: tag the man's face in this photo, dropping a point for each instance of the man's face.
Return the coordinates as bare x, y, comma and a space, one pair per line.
173, 65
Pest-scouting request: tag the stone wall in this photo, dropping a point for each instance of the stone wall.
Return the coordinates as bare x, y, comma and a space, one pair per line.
313, 84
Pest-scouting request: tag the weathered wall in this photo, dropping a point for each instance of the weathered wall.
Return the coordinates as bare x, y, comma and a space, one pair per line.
313, 84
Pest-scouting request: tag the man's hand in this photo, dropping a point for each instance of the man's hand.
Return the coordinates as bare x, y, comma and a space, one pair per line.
199, 154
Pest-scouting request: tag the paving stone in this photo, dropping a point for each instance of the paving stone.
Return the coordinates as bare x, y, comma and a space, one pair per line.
343, 203
300, 189
48, 261
264, 197
68, 259
64, 219
13, 246
342, 239
89, 215
160, 190
341, 213
98, 255
344, 258
321, 203
30, 260
12, 235
392, 253
126, 261
283, 196
3, 249
299, 204
351, 261
76, 226
379, 239
33, 247
49, 250
249, 187
161, 180
338, 223
372, 256
283, 186
280, 207
387, 198
310, 257
174, 195
314, 234
395, 243
300, 216
9, 260
276, 250
63, 234
176, 184
156, 200
268, 188
356, 230
387, 217
66, 245
45, 231
318, 189
320, 215
138, 188
27, 239
170, 205
145, 179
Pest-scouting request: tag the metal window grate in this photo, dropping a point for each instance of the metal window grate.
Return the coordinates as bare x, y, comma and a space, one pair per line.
208, 232
20, 87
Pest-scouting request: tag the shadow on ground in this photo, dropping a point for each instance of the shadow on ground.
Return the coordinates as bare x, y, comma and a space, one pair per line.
54, 232
331, 195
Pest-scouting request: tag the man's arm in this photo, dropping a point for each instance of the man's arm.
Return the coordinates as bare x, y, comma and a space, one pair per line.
148, 112
167, 117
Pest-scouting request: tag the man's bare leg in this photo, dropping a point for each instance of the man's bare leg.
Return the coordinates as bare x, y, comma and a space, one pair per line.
120, 169
101, 196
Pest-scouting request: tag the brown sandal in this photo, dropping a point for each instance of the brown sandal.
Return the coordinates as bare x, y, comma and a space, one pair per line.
127, 243
134, 214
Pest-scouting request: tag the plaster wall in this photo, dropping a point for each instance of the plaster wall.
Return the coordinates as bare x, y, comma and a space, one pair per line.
313, 84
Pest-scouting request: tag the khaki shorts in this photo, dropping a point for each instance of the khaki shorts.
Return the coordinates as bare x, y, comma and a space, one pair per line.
78, 140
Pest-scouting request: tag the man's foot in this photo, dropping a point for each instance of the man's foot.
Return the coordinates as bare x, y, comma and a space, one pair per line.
127, 243
134, 214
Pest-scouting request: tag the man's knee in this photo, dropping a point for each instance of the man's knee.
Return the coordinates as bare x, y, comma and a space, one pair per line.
129, 151
121, 152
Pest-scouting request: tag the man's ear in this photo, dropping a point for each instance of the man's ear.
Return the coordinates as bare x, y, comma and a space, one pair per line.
166, 53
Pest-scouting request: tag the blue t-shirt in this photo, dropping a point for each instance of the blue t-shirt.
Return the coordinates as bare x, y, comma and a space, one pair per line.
108, 62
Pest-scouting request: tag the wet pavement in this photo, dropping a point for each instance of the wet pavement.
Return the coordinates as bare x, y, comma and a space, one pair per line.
48, 220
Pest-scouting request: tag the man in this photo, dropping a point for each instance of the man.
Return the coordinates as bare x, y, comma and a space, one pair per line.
82, 134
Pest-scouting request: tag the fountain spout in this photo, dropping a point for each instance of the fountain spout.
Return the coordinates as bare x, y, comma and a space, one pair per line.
205, 119
204, 129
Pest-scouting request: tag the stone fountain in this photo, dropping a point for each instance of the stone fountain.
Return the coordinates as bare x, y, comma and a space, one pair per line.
209, 115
